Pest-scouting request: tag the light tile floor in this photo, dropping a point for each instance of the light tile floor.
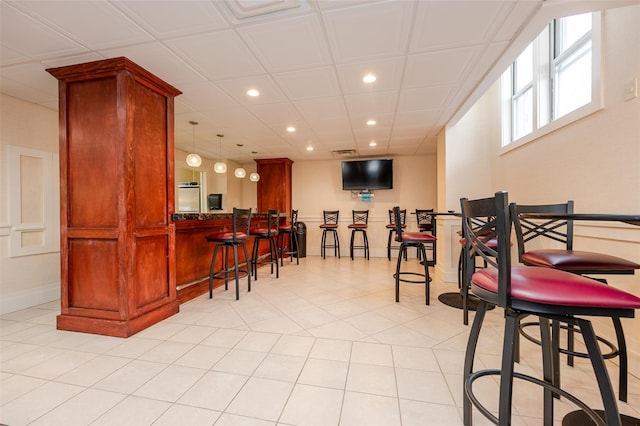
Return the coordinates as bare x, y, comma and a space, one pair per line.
325, 344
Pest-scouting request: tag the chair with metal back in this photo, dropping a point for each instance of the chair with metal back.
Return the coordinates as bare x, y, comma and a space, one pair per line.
426, 223
289, 247
270, 233
569, 260
241, 223
359, 225
330, 226
406, 240
391, 226
550, 294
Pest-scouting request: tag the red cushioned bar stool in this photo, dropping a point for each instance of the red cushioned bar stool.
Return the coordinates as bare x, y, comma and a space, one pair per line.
549, 294
289, 247
270, 234
238, 236
330, 226
407, 240
359, 225
391, 226
569, 260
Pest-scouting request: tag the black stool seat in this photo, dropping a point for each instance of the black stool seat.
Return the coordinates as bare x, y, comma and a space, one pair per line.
290, 230
269, 233
237, 237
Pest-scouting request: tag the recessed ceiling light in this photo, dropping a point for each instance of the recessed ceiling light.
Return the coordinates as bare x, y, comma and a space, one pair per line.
371, 122
291, 129
253, 92
309, 148
372, 143
369, 78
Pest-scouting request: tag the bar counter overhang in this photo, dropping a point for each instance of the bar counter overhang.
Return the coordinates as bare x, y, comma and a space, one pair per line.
193, 252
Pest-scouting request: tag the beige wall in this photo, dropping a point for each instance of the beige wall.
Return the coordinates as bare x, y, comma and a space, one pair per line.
317, 186
33, 279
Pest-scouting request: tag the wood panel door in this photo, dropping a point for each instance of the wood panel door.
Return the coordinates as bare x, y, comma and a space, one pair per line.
116, 178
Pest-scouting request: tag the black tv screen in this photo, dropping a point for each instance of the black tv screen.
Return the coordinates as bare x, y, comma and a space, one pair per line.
367, 174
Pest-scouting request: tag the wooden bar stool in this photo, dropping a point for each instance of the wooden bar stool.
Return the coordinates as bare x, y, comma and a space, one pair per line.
237, 237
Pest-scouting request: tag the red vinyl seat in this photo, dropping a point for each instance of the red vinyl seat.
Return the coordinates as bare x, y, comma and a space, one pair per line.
551, 295
418, 241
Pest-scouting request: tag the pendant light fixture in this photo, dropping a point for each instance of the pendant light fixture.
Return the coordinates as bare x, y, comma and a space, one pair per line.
254, 177
194, 160
240, 172
220, 166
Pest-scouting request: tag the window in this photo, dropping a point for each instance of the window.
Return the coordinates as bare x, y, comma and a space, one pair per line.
553, 81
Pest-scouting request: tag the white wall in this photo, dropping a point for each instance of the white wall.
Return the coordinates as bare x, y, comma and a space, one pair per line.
317, 186
594, 161
25, 280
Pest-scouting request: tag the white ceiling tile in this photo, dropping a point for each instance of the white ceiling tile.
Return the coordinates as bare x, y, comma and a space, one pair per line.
388, 73
518, 17
25, 36
310, 83
71, 60
447, 24
279, 113
371, 104
322, 108
21, 91
424, 98
101, 27
157, 59
416, 119
217, 55
10, 56
367, 32
166, 19
288, 44
33, 75
431, 69
237, 89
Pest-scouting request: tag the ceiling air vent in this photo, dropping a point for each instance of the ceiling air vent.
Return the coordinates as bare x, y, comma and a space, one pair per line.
344, 152
244, 9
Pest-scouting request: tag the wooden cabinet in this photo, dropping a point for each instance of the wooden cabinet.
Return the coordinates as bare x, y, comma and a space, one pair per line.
117, 195
274, 186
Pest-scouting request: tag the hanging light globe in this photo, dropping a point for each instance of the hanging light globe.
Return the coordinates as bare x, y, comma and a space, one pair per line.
240, 172
220, 167
254, 177
194, 160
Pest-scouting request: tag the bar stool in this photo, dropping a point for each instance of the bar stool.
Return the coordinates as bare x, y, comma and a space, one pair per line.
270, 233
426, 223
549, 294
290, 230
359, 224
237, 237
576, 262
391, 226
406, 240
330, 226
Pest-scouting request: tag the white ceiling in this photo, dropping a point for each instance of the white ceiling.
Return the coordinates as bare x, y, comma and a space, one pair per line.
306, 57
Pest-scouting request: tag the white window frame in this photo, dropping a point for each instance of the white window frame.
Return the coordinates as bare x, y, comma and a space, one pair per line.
50, 225
543, 86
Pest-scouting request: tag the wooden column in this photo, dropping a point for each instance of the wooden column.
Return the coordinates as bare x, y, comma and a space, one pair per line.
274, 186
117, 197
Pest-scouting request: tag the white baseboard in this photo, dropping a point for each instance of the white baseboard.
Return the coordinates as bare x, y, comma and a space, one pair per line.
29, 298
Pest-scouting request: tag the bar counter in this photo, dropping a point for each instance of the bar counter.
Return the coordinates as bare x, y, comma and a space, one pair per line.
194, 252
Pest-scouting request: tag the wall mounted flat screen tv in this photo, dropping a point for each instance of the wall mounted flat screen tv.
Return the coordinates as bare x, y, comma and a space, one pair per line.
367, 174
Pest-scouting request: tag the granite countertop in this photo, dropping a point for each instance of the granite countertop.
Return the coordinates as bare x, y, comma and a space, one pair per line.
211, 216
